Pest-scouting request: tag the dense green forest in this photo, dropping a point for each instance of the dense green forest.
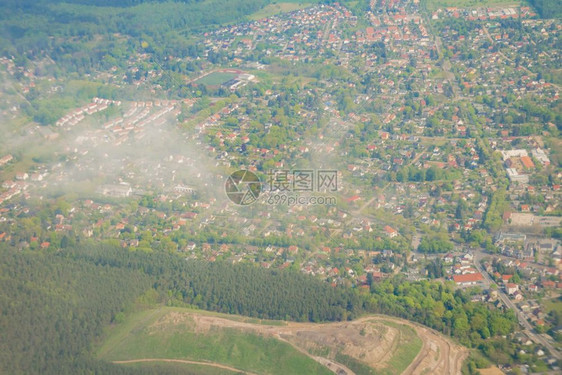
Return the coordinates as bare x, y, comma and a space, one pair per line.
54, 305
31, 27
548, 8
52, 308
64, 31
236, 289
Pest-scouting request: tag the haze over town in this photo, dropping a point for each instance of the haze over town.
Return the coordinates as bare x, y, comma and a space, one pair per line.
407, 154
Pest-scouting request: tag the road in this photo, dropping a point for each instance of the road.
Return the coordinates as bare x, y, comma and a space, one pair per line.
446, 65
528, 328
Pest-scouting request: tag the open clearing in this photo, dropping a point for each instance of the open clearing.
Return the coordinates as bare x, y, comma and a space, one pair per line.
490, 371
278, 8
369, 345
436, 4
216, 78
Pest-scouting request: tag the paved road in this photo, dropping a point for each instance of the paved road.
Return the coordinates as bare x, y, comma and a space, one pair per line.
520, 315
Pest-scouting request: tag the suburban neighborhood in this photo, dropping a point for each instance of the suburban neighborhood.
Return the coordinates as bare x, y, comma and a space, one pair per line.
441, 127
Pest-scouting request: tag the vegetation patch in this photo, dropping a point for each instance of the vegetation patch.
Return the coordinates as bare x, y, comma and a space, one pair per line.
408, 348
354, 365
216, 78
277, 8
160, 337
436, 4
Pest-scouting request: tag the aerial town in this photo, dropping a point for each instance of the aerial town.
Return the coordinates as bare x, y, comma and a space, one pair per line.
441, 127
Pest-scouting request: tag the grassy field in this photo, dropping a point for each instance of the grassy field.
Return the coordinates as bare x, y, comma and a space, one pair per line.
354, 365
436, 4
139, 338
216, 78
277, 8
408, 348
554, 304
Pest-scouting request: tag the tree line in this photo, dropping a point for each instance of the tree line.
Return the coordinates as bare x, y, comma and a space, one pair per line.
548, 8
443, 308
236, 289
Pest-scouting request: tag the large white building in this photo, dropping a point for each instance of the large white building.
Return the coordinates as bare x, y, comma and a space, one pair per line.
508, 154
514, 176
540, 155
118, 191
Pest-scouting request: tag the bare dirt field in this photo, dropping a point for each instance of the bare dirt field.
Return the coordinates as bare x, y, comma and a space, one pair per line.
491, 371
528, 219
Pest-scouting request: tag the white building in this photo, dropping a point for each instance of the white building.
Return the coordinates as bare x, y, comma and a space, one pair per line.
118, 191
540, 155
513, 154
514, 176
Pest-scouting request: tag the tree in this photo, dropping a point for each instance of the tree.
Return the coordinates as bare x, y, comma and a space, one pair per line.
435, 243
435, 269
461, 326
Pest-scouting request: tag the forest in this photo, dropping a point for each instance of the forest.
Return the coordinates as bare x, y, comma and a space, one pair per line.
55, 305
66, 30
235, 289
548, 8
441, 307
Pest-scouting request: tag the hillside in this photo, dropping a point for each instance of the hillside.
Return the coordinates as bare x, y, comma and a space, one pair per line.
370, 345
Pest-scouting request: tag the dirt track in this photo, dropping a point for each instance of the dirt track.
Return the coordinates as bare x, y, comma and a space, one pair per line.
212, 364
450, 356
